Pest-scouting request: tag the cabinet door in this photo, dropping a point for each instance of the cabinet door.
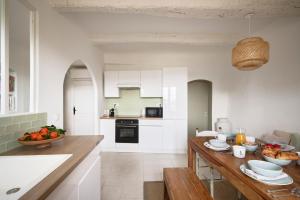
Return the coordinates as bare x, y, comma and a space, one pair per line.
89, 186
151, 138
128, 78
107, 128
175, 93
84, 182
111, 84
175, 136
151, 83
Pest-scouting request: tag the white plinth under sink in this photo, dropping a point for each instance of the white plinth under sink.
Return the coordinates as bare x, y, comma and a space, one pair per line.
20, 173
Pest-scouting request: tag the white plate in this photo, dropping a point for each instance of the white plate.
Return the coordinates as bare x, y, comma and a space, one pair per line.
286, 147
218, 143
206, 144
284, 181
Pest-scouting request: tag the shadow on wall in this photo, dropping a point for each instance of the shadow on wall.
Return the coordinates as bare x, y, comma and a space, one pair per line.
79, 100
199, 106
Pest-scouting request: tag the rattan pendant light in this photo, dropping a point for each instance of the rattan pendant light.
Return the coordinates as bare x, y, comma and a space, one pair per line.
250, 53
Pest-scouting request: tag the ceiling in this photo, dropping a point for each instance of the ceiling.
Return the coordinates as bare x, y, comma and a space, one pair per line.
137, 23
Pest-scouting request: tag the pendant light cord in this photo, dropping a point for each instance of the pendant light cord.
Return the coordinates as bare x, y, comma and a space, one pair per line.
248, 16
249, 25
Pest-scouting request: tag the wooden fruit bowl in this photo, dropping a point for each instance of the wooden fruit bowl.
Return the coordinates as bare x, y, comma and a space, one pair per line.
41, 143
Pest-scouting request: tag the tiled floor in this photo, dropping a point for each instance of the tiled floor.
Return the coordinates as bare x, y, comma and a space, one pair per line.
123, 174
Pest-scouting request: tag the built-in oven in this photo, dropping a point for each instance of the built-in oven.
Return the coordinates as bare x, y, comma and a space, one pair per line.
127, 131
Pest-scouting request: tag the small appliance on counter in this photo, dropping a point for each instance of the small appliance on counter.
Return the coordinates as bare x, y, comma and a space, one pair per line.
112, 111
154, 112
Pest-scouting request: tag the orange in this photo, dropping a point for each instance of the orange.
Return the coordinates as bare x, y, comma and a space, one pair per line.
39, 137
53, 135
33, 136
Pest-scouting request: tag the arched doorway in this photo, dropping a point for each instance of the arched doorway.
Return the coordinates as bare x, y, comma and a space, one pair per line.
79, 100
199, 106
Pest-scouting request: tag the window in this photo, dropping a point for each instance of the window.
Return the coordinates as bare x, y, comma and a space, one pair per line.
17, 56
1, 50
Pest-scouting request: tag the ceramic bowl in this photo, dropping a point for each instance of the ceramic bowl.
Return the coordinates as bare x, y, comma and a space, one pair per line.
218, 143
265, 168
280, 162
42, 143
250, 148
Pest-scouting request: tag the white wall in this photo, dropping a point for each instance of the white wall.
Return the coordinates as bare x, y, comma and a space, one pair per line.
269, 98
208, 63
60, 44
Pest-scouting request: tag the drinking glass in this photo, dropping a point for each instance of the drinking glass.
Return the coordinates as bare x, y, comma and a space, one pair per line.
240, 137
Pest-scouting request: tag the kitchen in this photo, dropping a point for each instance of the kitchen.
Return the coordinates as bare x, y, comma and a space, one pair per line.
156, 112
142, 56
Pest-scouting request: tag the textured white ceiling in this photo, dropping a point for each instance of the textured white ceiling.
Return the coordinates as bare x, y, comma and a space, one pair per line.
182, 22
185, 8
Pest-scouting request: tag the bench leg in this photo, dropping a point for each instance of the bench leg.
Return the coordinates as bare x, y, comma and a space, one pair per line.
211, 182
239, 195
166, 195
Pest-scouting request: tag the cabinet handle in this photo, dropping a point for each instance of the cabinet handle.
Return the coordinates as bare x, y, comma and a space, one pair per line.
74, 110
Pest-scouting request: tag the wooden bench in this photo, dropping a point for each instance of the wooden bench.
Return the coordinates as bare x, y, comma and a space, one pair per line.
183, 184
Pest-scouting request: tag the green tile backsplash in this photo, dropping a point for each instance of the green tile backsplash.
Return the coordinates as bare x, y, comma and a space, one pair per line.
12, 127
130, 102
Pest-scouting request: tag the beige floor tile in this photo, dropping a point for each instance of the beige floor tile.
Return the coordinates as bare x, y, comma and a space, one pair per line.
111, 193
123, 174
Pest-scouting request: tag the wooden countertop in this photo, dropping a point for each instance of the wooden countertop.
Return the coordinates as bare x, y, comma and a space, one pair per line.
132, 117
79, 146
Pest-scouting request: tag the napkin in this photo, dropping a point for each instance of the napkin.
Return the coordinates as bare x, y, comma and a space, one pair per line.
264, 178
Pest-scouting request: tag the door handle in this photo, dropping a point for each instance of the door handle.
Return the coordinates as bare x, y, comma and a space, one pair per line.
74, 110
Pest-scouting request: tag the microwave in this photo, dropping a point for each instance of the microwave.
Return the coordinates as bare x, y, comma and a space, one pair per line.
154, 112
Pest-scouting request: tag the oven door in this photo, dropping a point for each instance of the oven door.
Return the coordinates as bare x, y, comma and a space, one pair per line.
127, 134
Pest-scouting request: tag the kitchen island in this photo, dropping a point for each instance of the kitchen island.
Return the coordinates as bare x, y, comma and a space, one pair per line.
53, 186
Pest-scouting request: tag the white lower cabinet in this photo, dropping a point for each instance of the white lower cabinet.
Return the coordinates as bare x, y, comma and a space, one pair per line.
151, 136
155, 136
107, 128
175, 136
83, 183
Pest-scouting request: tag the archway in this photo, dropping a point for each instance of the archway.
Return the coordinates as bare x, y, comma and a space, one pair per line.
199, 106
80, 106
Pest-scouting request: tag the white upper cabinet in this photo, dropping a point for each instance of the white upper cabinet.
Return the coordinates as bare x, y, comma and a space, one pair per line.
175, 93
111, 84
151, 83
129, 79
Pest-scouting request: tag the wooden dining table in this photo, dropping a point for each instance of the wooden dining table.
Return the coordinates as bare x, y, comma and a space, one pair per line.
229, 167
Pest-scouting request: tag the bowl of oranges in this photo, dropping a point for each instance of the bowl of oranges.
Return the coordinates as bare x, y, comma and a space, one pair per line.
42, 138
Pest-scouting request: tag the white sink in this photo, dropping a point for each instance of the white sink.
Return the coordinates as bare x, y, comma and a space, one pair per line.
25, 172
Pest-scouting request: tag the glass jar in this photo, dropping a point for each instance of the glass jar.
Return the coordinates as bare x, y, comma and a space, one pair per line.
223, 125
240, 137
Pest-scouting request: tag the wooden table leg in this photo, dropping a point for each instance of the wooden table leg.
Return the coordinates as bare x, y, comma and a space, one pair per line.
166, 195
211, 170
191, 158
